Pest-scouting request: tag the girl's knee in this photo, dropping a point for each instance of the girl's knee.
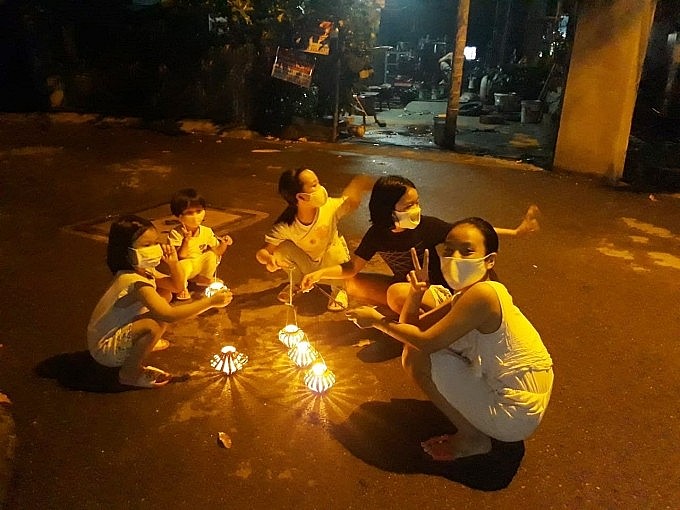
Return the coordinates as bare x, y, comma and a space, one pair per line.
396, 296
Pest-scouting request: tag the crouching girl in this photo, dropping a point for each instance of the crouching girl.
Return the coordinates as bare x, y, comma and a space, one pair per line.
132, 315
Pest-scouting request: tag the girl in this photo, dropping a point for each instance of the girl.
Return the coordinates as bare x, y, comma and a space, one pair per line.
131, 316
305, 236
397, 226
478, 359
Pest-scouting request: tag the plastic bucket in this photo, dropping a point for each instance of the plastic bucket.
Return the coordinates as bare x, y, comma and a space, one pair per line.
532, 112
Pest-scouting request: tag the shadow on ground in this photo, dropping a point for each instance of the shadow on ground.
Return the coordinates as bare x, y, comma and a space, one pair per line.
78, 371
387, 435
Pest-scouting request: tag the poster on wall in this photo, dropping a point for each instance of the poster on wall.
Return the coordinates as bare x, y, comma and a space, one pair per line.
293, 67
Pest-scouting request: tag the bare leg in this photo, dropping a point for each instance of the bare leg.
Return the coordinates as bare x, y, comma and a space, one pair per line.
468, 440
396, 297
369, 287
145, 333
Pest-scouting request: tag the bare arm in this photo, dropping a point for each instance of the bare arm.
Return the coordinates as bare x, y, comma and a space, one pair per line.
337, 272
162, 311
222, 245
528, 225
355, 191
476, 308
266, 256
175, 281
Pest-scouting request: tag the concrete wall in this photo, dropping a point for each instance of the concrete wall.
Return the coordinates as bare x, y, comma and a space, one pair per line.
609, 49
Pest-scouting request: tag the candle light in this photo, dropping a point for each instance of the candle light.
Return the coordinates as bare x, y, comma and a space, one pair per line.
302, 353
229, 360
319, 378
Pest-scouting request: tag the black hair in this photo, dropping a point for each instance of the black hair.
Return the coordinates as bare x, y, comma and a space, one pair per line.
289, 186
487, 230
387, 191
184, 199
122, 234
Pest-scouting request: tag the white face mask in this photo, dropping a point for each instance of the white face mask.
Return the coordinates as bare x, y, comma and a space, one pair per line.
193, 220
461, 273
146, 257
318, 197
409, 219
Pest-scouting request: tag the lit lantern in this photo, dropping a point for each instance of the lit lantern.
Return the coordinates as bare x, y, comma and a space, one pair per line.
214, 288
319, 378
302, 353
229, 360
291, 335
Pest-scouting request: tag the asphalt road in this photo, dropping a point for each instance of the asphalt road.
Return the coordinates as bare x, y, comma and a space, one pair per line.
600, 283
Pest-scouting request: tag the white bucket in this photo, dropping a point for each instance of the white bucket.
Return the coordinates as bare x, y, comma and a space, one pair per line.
532, 112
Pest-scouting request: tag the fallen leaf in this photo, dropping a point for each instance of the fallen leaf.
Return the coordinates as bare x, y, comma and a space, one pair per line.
224, 440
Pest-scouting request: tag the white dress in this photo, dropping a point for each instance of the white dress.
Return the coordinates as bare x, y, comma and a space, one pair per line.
500, 382
108, 330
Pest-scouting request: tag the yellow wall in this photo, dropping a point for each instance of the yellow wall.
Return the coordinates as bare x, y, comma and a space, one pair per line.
609, 49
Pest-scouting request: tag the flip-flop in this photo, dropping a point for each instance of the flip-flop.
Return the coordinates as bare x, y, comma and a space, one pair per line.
161, 345
150, 378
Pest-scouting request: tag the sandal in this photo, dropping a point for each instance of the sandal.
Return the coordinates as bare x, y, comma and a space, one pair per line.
150, 378
184, 295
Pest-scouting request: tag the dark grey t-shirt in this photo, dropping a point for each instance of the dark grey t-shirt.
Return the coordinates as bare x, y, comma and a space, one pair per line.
395, 247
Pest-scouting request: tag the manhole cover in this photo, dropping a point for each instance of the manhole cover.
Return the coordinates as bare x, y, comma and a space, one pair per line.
222, 221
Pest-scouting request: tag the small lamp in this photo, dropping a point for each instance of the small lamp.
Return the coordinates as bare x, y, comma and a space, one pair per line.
290, 335
319, 378
214, 288
302, 353
229, 360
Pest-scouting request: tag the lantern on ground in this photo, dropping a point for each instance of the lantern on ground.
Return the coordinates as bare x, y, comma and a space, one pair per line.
290, 335
214, 288
302, 353
319, 378
229, 360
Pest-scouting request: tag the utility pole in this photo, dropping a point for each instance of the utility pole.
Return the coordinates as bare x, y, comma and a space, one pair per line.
456, 74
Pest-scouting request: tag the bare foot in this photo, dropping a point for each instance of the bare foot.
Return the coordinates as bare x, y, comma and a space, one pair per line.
149, 377
452, 447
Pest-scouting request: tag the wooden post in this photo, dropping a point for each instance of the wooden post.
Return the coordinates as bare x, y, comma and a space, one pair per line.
456, 74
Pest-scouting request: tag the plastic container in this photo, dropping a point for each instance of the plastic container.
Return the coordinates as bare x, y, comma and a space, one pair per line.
439, 129
506, 103
532, 112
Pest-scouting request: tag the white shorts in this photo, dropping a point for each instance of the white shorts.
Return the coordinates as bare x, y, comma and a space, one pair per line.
506, 414
113, 350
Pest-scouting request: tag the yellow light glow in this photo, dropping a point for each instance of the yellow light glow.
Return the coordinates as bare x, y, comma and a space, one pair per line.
214, 288
291, 335
229, 360
302, 354
319, 378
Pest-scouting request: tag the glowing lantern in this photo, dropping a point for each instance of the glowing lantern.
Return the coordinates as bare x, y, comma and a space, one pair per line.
319, 378
302, 353
229, 360
214, 288
291, 335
